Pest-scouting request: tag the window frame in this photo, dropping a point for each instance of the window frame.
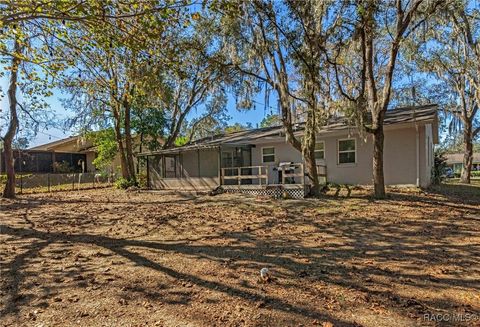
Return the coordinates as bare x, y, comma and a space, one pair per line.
263, 155
323, 150
347, 151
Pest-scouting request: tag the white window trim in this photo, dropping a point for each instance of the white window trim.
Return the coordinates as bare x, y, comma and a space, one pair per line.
338, 152
323, 142
274, 154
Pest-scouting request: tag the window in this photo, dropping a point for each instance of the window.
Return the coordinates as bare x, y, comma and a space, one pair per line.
347, 151
268, 155
320, 150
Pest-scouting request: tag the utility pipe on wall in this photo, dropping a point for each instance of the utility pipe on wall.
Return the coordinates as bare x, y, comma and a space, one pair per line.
417, 148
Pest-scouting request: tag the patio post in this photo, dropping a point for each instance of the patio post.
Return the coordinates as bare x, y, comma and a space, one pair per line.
219, 166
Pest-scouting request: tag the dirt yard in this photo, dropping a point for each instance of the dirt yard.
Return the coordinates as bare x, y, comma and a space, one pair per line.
113, 258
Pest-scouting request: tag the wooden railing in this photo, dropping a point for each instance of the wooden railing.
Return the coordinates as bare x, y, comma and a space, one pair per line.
236, 173
260, 173
289, 172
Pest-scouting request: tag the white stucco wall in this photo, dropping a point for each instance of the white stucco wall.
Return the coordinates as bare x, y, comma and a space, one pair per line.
400, 157
284, 152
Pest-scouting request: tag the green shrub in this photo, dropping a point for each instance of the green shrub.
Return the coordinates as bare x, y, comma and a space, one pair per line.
439, 167
3, 177
62, 167
475, 173
123, 183
142, 179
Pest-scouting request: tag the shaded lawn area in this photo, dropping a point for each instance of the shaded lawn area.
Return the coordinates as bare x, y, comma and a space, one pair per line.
109, 258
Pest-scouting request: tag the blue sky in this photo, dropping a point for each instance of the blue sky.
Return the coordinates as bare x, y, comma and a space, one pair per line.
253, 116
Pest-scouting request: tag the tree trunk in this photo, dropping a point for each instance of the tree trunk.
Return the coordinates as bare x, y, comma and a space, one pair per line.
468, 152
9, 190
170, 141
311, 166
175, 129
118, 138
309, 149
378, 177
128, 144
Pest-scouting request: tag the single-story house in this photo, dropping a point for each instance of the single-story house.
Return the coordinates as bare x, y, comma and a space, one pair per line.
455, 161
73, 152
260, 161
76, 151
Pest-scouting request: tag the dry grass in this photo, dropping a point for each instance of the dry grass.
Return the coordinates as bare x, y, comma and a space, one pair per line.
110, 258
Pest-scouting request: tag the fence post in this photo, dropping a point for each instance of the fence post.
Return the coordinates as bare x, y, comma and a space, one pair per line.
239, 177
48, 182
93, 180
21, 183
73, 182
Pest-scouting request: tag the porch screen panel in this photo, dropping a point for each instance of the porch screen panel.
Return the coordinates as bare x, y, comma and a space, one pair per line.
25, 162
44, 162
64, 157
208, 163
154, 170
77, 159
171, 167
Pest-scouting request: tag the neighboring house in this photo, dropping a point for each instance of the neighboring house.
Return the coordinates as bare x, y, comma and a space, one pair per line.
455, 161
74, 151
260, 161
77, 151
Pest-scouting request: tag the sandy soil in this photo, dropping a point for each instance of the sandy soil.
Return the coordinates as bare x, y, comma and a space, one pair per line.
113, 258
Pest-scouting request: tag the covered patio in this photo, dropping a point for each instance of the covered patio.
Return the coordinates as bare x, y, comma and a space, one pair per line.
227, 166
232, 162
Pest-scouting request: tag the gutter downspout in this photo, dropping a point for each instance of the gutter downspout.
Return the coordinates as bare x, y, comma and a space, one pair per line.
417, 148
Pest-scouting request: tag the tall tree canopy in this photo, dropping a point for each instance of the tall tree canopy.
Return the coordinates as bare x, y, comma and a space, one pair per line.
365, 63
450, 50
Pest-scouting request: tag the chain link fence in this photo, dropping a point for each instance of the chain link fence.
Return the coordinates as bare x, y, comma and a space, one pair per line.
40, 183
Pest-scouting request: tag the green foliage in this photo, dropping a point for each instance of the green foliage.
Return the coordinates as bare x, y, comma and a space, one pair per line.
123, 183
149, 123
475, 173
3, 177
62, 167
237, 127
181, 140
453, 143
271, 120
105, 145
439, 166
142, 179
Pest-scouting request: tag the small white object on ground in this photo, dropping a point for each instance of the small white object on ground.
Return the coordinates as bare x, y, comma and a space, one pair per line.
265, 273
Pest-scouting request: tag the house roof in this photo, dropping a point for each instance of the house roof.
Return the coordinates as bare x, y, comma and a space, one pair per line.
79, 144
453, 158
52, 145
394, 116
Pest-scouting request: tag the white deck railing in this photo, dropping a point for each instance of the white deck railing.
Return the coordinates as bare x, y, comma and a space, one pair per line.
258, 175
236, 173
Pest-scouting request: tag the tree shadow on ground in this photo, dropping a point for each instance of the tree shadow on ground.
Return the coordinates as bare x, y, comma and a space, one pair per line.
358, 258
119, 246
